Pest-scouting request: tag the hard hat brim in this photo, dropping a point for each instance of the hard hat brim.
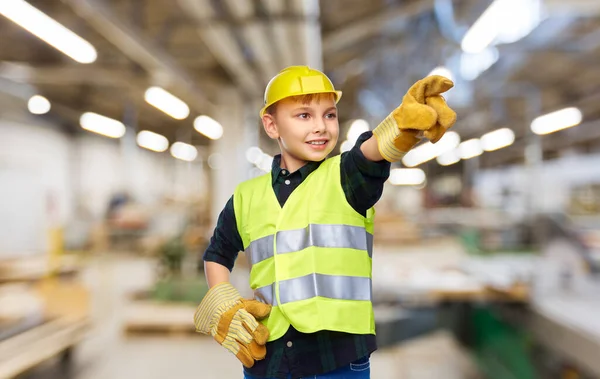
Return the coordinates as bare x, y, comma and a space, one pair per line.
338, 96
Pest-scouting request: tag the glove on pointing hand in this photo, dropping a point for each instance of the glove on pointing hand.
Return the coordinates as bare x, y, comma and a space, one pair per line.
423, 112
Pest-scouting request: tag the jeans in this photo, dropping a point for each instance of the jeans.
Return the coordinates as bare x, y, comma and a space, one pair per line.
360, 369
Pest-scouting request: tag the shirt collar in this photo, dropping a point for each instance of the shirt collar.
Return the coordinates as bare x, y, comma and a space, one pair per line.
277, 171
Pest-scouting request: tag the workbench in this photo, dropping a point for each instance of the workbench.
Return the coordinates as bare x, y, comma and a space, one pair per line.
24, 351
53, 332
570, 327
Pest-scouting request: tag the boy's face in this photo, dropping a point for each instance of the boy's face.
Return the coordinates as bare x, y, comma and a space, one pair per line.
305, 132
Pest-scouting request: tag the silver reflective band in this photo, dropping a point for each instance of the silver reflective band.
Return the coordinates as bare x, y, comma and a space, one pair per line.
260, 249
330, 286
320, 235
309, 286
266, 294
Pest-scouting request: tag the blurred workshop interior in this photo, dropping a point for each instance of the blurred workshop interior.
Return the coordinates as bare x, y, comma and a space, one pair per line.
125, 126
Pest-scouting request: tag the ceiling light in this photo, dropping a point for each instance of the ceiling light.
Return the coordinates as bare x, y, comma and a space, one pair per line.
102, 125
152, 141
429, 151
504, 21
208, 127
470, 149
474, 64
407, 176
166, 102
38, 105
357, 128
555, 121
448, 158
184, 151
253, 154
346, 146
497, 139
215, 161
48, 30
484, 30
265, 163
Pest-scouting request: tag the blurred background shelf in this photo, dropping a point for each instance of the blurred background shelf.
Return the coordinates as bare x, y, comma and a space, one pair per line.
37, 267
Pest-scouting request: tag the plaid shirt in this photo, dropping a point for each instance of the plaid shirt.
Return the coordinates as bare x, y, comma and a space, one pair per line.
315, 353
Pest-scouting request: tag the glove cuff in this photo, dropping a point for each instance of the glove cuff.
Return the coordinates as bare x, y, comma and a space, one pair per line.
217, 301
386, 133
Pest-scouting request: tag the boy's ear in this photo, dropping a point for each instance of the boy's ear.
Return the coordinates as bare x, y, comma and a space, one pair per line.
270, 126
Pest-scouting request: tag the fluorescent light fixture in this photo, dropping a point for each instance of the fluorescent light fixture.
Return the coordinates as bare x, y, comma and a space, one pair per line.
442, 71
407, 176
152, 141
470, 149
265, 163
504, 21
38, 105
183, 151
485, 30
253, 154
166, 102
448, 158
45, 28
429, 151
555, 121
346, 146
497, 139
357, 128
215, 161
261, 160
105, 126
208, 127
474, 64
523, 17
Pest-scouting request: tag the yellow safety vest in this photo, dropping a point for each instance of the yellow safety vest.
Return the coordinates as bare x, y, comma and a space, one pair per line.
311, 259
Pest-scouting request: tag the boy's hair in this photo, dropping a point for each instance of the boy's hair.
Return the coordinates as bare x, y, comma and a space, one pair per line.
304, 99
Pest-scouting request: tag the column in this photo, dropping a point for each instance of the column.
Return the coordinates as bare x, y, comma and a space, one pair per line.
239, 133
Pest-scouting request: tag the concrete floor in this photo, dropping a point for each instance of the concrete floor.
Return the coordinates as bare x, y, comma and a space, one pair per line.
108, 354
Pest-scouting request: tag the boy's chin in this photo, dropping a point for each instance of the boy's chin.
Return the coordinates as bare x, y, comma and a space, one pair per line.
316, 156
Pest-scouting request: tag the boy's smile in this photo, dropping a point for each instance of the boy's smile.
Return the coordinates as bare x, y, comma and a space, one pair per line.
319, 143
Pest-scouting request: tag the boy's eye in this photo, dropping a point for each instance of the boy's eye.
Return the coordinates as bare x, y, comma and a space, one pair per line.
331, 116
303, 115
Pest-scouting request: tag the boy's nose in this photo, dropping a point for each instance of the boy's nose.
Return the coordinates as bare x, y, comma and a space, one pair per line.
319, 126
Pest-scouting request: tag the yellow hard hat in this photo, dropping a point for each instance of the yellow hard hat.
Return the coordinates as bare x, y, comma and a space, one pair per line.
295, 81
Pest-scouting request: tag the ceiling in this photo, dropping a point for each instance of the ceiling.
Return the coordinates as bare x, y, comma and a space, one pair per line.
372, 49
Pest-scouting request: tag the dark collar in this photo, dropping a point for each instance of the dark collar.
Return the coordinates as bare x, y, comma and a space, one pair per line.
304, 171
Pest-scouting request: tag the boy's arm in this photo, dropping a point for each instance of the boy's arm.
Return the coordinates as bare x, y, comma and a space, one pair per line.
223, 313
370, 150
224, 246
363, 177
215, 273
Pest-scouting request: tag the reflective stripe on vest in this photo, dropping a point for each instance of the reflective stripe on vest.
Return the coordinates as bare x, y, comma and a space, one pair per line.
313, 285
289, 241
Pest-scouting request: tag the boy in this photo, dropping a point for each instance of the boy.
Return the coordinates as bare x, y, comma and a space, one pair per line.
307, 231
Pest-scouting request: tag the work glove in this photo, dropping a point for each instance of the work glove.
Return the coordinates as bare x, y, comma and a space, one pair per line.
232, 321
423, 113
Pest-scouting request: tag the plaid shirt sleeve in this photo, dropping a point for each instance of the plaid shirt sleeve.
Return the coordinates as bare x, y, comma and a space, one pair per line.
226, 243
362, 179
